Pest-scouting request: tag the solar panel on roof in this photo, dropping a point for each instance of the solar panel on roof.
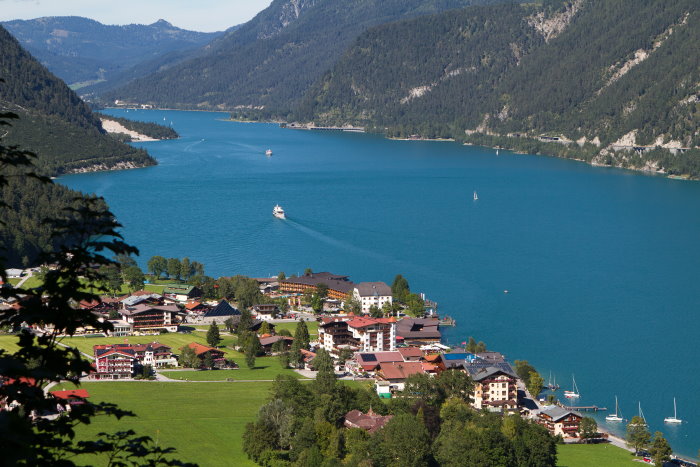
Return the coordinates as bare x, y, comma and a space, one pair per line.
369, 357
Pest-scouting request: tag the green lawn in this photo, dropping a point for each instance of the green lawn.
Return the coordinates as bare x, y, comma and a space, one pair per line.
204, 421
312, 325
32, 282
265, 368
593, 455
14, 280
9, 343
174, 340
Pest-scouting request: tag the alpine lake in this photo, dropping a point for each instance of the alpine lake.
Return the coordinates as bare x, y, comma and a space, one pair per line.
580, 270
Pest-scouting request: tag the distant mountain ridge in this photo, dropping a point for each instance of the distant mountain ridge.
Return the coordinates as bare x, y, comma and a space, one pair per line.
594, 80
272, 60
82, 51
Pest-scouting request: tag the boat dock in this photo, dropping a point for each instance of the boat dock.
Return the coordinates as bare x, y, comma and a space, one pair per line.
586, 408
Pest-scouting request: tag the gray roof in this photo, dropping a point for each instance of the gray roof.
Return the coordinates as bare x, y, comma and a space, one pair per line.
333, 281
135, 299
373, 289
557, 413
478, 372
414, 328
222, 309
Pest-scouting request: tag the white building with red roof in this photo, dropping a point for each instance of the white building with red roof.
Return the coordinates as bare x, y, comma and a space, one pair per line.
362, 334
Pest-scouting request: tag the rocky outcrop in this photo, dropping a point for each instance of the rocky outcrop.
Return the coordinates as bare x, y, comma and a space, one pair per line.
551, 26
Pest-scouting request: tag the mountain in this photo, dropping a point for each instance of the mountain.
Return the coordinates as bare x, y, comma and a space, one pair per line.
82, 51
274, 58
596, 80
54, 122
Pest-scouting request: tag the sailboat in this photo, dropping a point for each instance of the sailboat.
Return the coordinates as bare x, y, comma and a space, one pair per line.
476, 197
673, 419
614, 417
496, 151
574, 391
552, 386
641, 415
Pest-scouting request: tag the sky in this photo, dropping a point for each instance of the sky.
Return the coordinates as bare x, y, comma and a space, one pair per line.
196, 15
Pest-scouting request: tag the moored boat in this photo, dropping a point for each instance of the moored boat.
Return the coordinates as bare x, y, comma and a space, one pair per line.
675, 418
614, 417
573, 394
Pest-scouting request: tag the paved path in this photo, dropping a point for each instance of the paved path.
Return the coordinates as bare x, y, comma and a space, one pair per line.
24, 279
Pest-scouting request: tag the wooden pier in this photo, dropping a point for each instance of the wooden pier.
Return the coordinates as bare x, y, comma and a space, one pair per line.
586, 408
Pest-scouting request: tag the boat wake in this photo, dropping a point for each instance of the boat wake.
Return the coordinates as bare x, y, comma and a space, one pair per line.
337, 243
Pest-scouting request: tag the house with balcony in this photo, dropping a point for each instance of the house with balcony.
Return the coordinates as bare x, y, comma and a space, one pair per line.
418, 331
339, 287
495, 388
358, 333
114, 363
150, 319
181, 292
372, 294
560, 421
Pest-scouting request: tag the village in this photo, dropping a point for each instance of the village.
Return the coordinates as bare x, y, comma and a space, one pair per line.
386, 350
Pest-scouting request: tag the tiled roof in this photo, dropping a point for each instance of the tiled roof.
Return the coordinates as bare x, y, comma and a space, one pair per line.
478, 372
400, 370
557, 413
141, 308
272, 339
369, 421
333, 281
373, 289
200, 349
408, 352
71, 394
414, 328
222, 309
362, 322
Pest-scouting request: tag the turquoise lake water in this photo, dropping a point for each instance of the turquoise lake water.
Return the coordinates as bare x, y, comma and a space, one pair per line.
602, 265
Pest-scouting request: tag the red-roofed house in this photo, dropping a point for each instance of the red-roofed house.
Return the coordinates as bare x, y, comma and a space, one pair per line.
202, 351
369, 421
113, 363
361, 333
397, 372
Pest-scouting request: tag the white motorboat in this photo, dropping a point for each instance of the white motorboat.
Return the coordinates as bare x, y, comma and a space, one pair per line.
268, 152
675, 418
476, 197
278, 212
614, 417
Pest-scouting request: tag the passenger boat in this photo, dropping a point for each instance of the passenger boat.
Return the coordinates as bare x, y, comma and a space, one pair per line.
278, 212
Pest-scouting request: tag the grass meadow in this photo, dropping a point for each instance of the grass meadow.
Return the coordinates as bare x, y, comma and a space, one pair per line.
204, 421
593, 455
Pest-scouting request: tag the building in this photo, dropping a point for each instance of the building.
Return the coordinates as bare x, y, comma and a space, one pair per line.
150, 319
266, 312
120, 328
141, 299
339, 287
418, 331
114, 363
395, 373
359, 333
154, 354
372, 294
369, 421
495, 388
560, 421
202, 351
219, 313
371, 361
181, 292
267, 341
14, 273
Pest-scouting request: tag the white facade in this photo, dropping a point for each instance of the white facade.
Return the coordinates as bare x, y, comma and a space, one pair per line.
374, 338
368, 294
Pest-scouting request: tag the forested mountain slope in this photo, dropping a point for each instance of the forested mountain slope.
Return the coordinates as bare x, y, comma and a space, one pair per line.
273, 59
82, 51
607, 74
54, 122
